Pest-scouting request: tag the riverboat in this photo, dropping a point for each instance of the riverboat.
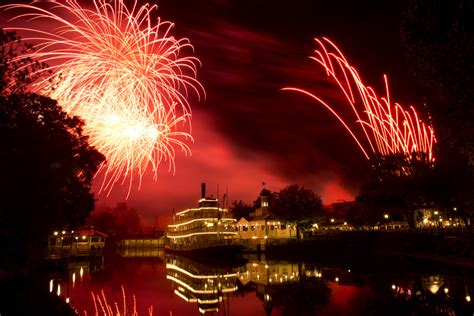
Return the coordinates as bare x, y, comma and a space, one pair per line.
207, 228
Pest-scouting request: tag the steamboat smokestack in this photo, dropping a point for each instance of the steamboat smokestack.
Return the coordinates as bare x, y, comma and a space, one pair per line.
203, 190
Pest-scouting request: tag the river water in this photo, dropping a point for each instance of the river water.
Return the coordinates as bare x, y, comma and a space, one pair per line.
151, 281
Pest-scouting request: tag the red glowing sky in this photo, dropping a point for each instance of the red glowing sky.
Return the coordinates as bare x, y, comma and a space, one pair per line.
248, 131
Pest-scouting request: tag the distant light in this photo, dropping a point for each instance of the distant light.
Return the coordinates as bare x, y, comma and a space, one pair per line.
394, 286
332, 220
345, 223
83, 237
440, 219
55, 233
336, 279
67, 300
455, 208
51, 284
446, 290
436, 213
63, 232
59, 290
349, 270
385, 216
468, 298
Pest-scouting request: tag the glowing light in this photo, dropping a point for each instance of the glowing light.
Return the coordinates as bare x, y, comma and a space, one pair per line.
388, 128
51, 284
336, 279
446, 290
175, 267
190, 288
201, 208
201, 233
123, 74
468, 298
394, 286
385, 216
201, 219
55, 233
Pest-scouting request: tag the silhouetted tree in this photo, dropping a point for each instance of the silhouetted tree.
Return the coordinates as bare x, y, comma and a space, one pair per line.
298, 205
16, 73
240, 209
120, 219
399, 184
439, 37
46, 165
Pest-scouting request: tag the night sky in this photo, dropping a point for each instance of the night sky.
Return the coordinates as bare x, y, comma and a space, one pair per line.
247, 131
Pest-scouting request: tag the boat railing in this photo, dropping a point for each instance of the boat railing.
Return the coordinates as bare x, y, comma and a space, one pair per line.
203, 229
201, 214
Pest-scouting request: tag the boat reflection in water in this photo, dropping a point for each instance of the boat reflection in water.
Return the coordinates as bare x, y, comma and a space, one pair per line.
299, 288
183, 286
198, 283
275, 283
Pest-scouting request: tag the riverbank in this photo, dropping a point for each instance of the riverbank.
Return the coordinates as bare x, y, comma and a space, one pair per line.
360, 247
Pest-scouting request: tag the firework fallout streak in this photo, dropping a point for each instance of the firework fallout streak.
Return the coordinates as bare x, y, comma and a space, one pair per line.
388, 128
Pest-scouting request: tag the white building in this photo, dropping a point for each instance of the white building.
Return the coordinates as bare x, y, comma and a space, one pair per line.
262, 225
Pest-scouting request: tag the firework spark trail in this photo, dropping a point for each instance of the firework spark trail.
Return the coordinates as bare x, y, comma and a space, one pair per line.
388, 128
123, 74
112, 309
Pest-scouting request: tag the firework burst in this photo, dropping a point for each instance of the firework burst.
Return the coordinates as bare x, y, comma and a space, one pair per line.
123, 74
388, 127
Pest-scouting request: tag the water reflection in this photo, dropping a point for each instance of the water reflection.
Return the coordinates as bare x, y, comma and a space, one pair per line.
198, 283
294, 288
183, 286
